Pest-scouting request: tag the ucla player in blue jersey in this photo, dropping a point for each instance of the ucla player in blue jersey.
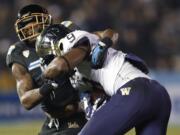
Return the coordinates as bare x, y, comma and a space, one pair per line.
136, 100
59, 103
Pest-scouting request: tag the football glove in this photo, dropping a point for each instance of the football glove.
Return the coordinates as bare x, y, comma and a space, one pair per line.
48, 87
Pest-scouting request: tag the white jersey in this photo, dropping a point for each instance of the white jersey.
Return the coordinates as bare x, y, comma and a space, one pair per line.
115, 71
72, 38
83, 70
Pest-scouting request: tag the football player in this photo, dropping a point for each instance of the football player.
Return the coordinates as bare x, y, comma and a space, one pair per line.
59, 102
136, 100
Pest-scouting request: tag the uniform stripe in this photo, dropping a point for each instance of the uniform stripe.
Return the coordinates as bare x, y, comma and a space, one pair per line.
34, 64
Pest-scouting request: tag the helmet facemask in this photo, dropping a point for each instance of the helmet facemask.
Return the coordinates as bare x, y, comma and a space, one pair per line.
47, 46
49, 42
29, 27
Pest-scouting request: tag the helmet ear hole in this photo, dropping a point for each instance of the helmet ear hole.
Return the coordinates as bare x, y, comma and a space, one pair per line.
61, 46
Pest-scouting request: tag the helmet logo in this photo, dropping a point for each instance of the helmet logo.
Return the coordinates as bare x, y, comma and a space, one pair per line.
26, 53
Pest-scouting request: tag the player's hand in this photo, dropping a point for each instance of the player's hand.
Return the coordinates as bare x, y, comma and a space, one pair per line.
51, 83
47, 87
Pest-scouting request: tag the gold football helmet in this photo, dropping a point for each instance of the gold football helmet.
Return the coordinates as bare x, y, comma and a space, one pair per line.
31, 20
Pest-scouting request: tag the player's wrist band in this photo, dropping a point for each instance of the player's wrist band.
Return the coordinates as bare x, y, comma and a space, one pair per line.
67, 62
87, 51
83, 49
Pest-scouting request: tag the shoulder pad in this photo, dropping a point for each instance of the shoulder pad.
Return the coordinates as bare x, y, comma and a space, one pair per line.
137, 62
14, 55
72, 26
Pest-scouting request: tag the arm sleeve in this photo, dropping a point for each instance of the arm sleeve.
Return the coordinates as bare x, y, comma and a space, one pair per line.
14, 55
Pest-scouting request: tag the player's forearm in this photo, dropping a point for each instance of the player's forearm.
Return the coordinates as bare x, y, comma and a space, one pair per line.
57, 67
62, 65
28, 96
31, 98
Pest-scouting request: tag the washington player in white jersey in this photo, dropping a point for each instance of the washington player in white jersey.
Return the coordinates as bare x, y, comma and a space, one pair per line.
135, 99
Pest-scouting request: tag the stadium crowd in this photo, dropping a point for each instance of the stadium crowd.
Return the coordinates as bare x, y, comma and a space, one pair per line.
148, 28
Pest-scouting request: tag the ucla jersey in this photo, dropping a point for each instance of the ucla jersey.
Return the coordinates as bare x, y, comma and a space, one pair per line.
25, 55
